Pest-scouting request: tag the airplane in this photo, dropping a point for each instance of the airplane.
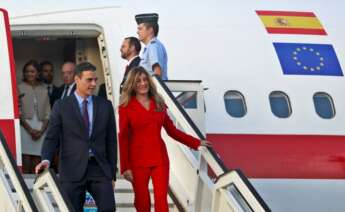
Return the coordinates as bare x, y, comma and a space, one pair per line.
268, 108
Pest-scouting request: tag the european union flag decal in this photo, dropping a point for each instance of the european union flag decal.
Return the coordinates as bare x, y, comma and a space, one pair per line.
308, 59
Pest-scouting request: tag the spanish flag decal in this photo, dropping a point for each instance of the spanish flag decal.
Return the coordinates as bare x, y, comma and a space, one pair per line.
288, 22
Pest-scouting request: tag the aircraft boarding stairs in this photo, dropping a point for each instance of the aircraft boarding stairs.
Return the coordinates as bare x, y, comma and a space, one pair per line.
199, 181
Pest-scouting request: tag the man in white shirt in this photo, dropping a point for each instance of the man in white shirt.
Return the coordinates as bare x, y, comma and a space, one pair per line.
68, 72
130, 49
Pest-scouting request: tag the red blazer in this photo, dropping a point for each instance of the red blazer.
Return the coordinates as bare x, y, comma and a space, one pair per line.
141, 144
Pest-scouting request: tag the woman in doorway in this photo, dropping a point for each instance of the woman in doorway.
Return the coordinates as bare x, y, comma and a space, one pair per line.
143, 154
35, 109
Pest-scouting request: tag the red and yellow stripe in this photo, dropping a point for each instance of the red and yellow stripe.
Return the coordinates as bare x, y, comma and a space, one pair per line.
288, 22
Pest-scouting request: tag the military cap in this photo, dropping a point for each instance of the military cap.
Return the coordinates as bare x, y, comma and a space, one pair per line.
147, 18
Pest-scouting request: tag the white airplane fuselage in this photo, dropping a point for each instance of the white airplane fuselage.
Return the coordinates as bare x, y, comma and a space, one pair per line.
226, 45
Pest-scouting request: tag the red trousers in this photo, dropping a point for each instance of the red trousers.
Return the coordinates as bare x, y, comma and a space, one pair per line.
160, 181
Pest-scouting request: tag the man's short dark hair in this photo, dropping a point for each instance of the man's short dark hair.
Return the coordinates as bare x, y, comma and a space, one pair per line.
46, 62
85, 66
133, 41
154, 26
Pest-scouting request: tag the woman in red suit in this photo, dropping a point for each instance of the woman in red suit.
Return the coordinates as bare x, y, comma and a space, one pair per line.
143, 154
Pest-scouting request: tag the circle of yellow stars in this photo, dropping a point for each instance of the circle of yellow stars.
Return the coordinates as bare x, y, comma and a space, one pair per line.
303, 66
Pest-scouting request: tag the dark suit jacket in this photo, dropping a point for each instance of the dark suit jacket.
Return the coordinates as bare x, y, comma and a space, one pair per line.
102, 91
55, 95
134, 63
62, 88
66, 122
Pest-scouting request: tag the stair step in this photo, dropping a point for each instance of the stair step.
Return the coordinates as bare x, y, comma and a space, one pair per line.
129, 198
124, 195
131, 205
120, 183
133, 209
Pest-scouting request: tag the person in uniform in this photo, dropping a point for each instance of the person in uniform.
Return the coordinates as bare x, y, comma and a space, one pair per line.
154, 57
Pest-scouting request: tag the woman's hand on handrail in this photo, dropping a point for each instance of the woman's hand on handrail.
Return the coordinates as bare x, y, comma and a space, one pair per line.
205, 143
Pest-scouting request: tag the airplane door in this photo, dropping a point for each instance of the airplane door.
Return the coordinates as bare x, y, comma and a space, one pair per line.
106, 68
9, 111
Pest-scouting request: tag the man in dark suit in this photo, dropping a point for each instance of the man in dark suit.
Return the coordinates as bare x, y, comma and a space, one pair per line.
88, 149
68, 73
130, 49
102, 91
47, 76
65, 90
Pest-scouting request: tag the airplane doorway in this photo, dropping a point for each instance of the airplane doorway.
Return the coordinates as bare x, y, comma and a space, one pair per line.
57, 51
47, 43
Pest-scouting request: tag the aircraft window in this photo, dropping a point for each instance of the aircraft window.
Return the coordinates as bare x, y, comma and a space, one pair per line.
187, 99
235, 104
324, 105
280, 104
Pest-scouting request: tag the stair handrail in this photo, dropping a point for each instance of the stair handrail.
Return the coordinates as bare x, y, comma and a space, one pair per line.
48, 179
207, 154
17, 180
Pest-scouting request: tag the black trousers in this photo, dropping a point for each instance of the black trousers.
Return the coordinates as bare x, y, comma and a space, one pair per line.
97, 184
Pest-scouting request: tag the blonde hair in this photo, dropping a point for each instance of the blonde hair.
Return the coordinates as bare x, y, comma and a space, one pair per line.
128, 89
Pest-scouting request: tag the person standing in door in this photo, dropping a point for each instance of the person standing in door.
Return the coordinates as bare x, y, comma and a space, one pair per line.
34, 115
84, 127
143, 154
68, 87
47, 76
68, 73
154, 57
